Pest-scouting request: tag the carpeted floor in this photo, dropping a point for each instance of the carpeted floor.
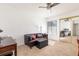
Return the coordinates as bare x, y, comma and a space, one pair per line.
55, 48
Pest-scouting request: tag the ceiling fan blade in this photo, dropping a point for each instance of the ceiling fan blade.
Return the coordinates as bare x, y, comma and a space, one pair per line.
54, 4
49, 5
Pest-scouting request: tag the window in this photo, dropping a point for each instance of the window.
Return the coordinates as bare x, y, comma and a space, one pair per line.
52, 26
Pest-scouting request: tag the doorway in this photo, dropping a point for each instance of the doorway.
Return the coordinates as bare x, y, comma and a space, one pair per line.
52, 29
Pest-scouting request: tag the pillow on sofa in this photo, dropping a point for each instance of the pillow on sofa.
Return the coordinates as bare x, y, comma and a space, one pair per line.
39, 35
33, 37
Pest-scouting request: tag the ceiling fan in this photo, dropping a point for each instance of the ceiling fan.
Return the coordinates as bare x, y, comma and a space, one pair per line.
49, 5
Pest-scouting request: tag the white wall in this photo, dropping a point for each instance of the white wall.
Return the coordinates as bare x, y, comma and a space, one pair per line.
19, 19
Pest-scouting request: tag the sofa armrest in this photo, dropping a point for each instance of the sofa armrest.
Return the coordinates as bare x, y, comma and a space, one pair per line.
45, 36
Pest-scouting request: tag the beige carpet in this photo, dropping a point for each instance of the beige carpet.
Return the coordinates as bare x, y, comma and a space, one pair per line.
55, 48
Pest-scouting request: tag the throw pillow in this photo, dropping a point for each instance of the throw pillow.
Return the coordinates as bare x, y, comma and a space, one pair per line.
33, 37
39, 35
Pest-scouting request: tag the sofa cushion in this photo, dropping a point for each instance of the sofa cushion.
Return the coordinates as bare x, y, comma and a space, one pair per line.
39, 35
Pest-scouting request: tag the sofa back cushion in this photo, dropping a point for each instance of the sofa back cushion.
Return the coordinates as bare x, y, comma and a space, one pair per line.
39, 35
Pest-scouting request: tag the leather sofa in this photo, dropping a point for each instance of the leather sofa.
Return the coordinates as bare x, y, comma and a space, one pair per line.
40, 40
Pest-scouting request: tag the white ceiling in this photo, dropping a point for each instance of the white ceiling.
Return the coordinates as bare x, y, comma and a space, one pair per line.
64, 8
23, 5
26, 7
59, 9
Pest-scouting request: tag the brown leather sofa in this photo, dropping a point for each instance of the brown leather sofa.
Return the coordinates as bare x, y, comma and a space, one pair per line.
39, 40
